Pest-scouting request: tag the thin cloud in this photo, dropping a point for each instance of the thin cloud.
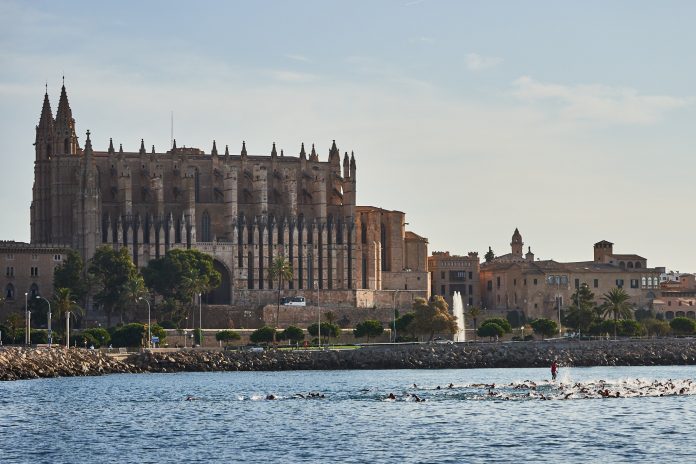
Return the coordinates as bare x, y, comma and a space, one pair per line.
476, 62
599, 103
295, 57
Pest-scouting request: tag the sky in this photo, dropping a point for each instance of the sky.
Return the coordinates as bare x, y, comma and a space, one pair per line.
573, 121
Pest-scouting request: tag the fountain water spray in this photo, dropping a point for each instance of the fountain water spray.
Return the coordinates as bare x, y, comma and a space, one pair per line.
458, 311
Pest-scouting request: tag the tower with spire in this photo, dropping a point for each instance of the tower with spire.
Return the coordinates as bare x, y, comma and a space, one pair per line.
516, 244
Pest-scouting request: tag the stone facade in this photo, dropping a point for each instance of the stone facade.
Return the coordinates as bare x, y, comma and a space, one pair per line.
454, 273
243, 209
538, 288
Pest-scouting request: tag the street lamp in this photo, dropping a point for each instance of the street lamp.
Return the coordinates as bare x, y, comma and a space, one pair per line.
319, 314
27, 320
50, 337
200, 319
149, 329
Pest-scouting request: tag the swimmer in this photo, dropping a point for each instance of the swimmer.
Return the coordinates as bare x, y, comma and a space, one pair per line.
191, 398
451, 385
391, 396
270, 397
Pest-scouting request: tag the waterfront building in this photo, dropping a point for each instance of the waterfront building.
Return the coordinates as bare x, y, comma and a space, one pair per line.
538, 288
455, 273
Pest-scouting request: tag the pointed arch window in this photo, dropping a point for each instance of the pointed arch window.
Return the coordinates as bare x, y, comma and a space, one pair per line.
205, 227
33, 291
66, 146
9, 292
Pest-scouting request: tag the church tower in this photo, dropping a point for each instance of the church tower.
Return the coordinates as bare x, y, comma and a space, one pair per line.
44, 149
516, 244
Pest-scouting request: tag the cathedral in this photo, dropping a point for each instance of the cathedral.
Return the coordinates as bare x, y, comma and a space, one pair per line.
243, 209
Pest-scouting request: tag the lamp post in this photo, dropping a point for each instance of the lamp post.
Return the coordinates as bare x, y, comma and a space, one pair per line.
67, 329
27, 320
200, 319
149, 329
319, 315
50, 337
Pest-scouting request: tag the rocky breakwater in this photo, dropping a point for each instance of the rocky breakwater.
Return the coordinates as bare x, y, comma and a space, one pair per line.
430, 356
31, 363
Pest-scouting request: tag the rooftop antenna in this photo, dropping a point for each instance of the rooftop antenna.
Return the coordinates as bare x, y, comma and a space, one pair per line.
171, 134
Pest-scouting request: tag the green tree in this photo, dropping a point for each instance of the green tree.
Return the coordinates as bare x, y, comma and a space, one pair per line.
630, 328
180, 276
265, 334
62, 304
489, 256
328, 330
134, 289
683, 325
490, 329
503, 323
280, 271
13, 322
227, 336
616, 303
112, 270
292, 333
70, 274
544, 327
656, 327
369, 328
404, 325
433, 317
583, 312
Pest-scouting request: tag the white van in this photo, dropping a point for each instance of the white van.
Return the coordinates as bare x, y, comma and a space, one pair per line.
293, 301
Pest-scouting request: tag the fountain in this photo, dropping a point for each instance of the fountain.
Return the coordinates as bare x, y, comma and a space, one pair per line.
458, 311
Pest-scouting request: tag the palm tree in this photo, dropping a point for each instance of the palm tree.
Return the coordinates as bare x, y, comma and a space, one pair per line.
134, 288
280, 270
63, 303
616, 303
474, 313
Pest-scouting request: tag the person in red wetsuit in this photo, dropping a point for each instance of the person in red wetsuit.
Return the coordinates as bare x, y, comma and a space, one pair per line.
554, 370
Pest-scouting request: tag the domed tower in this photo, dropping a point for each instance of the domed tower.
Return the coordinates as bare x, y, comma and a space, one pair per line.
516, 244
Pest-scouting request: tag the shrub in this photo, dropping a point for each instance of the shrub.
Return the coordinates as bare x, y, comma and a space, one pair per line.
292, 333
167, 325
227, 336
262, 335
100, 336
656, 327
502, 323
328, 330
683, 325
630, 328
129, 335
490, 329
84, 339
369, 328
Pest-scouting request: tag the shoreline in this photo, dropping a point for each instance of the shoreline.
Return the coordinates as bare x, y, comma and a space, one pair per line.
18, 363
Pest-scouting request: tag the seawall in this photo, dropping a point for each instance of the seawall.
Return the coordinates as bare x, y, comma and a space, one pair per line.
27, 363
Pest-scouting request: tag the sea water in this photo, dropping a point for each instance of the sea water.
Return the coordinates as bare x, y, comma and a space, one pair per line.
487, 415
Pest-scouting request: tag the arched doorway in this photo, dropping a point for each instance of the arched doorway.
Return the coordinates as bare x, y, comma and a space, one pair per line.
221, 294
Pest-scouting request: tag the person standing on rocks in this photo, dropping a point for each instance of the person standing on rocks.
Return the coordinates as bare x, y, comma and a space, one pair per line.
554, 370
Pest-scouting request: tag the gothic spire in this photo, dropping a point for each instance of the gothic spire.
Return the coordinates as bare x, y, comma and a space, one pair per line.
313, 156
346, 165
303, 155
111, 146
244, 152
46, 118
142, 147
174, 146
273, 151
88, 145
214, 150
64, 113
227, 151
